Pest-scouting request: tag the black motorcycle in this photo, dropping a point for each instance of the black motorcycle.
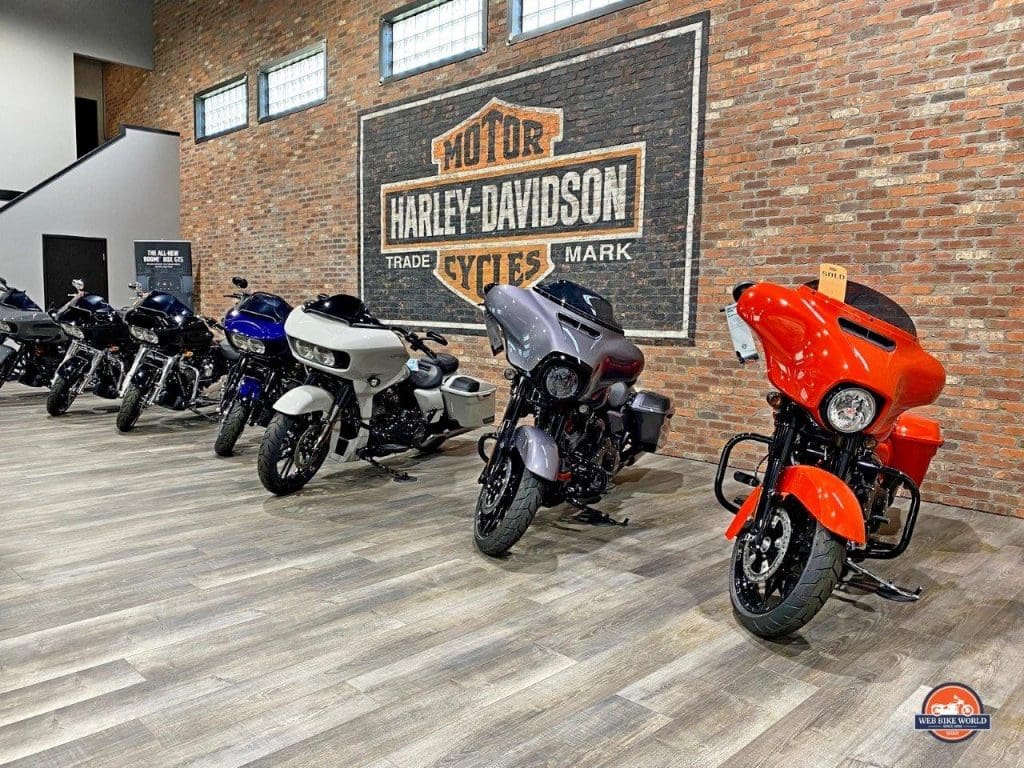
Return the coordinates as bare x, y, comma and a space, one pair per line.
573, 370
265, 370
31, 343
177, 361
100, 351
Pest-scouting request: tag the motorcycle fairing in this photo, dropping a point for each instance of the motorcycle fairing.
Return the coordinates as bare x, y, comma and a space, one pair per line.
537, 327
826, 497
814, 343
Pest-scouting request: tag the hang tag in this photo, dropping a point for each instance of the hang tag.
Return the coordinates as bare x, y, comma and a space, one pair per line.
832, 281
742, 336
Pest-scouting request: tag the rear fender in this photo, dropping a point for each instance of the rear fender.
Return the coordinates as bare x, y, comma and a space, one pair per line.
827, 498
304, 399
538, 451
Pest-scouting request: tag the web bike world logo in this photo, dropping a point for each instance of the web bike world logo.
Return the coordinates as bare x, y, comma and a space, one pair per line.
502, 196
952, 712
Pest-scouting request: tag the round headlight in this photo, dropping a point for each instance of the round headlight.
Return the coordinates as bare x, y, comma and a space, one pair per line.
851, 410
561, 382
248, 344
144, 334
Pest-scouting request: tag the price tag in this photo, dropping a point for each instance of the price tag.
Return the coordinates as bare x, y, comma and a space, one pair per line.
832, 281
742, 336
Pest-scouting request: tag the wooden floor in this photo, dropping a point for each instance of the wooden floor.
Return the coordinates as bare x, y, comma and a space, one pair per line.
158, 608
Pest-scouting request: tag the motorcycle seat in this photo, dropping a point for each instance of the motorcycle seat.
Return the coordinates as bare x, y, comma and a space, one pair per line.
230, 353
447, 363
427, 375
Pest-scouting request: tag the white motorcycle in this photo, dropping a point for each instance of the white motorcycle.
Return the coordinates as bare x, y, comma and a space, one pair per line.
364, 398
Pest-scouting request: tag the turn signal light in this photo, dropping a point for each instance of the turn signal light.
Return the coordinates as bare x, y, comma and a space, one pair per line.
774, 399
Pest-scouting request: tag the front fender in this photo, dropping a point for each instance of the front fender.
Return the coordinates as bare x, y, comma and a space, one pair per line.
538, 451
827, 498
304, 399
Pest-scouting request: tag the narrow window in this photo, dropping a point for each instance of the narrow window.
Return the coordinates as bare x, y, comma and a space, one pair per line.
528, 18
296, 82
430, 34
222, 109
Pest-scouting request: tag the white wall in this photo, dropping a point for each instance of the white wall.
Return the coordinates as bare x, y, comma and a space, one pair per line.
38, 40
129, 190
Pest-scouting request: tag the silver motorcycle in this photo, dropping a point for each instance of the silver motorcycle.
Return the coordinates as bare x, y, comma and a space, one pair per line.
573, 370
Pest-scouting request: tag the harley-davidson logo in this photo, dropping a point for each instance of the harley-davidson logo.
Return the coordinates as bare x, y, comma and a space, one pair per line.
502, 196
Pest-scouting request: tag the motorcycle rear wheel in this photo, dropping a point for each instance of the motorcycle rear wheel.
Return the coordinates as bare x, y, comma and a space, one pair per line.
289, 438
800, 582
131, 408
62, 395
231, 428
506, 506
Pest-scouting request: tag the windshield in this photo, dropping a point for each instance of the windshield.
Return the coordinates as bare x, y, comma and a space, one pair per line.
266, 305
341, 306
19, 300
158, 301
878, 305
583, 300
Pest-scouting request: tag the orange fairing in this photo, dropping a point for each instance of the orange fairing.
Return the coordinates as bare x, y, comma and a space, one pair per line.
825, 496
808, 352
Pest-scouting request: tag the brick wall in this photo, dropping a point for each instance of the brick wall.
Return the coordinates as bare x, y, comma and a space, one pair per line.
887, 136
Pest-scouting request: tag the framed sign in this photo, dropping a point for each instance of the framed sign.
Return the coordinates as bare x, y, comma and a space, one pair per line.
165, 265
586, 167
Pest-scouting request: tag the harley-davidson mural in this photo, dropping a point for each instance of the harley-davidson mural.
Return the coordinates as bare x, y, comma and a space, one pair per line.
585, 167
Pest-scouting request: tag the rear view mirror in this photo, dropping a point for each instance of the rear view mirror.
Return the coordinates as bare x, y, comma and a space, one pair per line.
3, 283
740, 289
240, 282
78, 284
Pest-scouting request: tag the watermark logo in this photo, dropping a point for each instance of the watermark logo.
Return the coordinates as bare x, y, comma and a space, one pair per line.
952, 712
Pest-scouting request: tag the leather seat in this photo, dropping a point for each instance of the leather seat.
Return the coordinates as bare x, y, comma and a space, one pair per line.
427, 375
447, 363
230, 353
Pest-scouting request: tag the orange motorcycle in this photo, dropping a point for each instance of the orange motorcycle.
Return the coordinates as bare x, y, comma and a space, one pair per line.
845, 444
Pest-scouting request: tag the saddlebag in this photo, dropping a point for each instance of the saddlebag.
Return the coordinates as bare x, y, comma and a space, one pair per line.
469, 401
647, 416
914, 442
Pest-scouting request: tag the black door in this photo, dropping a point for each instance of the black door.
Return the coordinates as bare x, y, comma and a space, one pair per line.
66, 258
86, 125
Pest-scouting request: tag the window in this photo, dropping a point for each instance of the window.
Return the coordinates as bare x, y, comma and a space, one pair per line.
222, 109
294, 83
429, 34
528, 18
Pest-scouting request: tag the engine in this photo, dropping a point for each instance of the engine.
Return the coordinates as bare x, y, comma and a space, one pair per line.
396, 422
594, 457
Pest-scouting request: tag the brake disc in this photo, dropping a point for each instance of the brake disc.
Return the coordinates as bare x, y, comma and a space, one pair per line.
762, 559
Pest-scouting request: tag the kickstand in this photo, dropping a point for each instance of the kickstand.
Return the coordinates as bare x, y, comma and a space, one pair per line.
207, 416
592, 516
398, 477
887, 589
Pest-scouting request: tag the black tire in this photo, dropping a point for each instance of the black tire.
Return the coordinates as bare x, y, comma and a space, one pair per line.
279, 446
809, 571
61, 396
506, 506
231, 427
130, 410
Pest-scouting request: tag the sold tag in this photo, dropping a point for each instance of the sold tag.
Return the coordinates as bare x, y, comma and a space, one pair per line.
832, 281
742, 336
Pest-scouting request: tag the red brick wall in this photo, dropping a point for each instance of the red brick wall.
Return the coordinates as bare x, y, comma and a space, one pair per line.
886, 135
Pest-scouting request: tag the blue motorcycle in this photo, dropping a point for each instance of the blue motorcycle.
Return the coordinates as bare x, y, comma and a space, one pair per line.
265, 368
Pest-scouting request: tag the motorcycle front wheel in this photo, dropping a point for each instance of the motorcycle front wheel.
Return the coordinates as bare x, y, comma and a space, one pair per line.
62, 394
231, 427
131, 408
779, 583
288, 457
508, 501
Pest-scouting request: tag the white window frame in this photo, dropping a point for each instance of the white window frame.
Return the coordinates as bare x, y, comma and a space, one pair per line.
515, 19
387, 72
263, 95
199, 101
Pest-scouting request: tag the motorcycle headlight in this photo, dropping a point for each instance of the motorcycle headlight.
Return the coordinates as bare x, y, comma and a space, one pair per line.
248, 344
72, 330
5, 328
562, 382
851, 410
313, 353
144, 334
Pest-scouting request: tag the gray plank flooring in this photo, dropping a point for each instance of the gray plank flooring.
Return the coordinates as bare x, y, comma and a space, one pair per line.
158, 608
